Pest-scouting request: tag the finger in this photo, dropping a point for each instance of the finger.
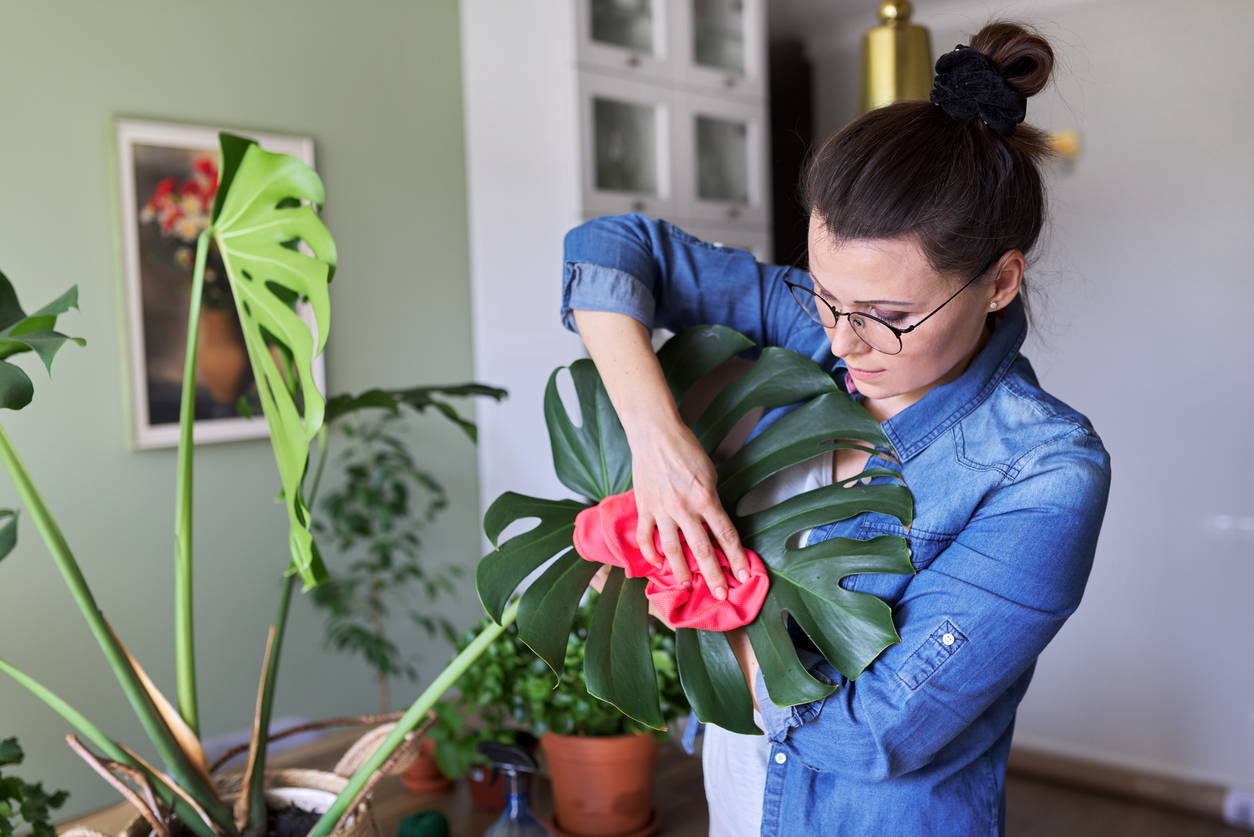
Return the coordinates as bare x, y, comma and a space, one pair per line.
669, 537
598, 580
699, 542
644, 539
729, 539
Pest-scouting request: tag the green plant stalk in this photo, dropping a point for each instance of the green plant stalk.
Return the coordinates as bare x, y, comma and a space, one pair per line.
184, 644
256, 787
103, 743
175, 759
412, 717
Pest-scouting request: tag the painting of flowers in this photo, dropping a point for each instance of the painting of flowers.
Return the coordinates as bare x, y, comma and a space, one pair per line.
168, 178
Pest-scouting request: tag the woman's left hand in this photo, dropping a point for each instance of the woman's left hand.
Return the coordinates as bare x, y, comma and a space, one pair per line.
598, 581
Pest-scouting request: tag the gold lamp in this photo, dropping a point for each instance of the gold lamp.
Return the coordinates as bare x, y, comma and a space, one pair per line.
897, 65
896, 58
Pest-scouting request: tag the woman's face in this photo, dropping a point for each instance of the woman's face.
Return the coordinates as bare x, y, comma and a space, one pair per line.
891, 279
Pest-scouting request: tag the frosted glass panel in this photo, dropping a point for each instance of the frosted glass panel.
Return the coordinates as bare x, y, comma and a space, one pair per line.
625, 136
718, 33
623, 23
722, 160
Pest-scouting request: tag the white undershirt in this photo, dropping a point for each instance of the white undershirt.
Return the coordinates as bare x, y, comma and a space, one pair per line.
734, 765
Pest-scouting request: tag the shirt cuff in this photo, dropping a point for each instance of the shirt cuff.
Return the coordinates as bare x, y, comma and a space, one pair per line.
598, 288
778, 720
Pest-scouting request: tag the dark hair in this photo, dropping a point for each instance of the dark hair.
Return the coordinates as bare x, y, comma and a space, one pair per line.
967, 193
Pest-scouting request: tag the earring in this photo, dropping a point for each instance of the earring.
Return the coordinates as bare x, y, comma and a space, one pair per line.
992, 304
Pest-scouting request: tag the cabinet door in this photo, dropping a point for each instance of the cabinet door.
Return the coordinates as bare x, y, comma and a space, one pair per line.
722, 160
720, 46
628, 146
628, 37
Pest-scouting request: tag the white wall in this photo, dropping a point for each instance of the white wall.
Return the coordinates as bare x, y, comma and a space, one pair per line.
1144, 304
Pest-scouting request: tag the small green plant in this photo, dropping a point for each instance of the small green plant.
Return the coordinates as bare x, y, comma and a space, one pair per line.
374, 521
22, 801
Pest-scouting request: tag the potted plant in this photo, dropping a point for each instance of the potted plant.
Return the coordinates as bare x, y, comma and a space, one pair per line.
24, 802
600, 760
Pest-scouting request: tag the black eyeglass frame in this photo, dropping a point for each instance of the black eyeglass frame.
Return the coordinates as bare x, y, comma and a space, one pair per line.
894, 329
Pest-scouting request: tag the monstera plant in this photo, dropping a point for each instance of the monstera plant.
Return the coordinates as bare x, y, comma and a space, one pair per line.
277, 254
593, 460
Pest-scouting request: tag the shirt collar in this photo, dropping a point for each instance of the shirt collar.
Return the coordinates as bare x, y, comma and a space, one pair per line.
915, 427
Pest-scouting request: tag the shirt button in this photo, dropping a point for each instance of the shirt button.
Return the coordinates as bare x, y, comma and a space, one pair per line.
948, 639
780, 758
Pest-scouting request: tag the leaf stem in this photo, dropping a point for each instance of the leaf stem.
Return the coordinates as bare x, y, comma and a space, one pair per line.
412, 717
184, 643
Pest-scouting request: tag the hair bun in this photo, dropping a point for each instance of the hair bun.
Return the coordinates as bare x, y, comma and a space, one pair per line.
1019, 53
968, 85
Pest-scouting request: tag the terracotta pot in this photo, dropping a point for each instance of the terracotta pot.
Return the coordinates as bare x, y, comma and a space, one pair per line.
602, 786
487, 791
424, 776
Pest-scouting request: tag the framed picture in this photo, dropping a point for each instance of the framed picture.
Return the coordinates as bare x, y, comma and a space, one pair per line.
168, 177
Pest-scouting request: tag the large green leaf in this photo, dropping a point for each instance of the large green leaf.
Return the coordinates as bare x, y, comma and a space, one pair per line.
263, 213
22, 332
593, 459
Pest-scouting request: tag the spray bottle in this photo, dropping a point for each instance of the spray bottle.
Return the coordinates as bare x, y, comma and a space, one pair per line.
517, 766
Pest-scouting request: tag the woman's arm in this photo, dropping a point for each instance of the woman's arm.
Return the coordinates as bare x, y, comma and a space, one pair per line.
971, 624
663, 277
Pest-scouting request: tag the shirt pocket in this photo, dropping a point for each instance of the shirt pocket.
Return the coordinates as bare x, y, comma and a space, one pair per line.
942, 644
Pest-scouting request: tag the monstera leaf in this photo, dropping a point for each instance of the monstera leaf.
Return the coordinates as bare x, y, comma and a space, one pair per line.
260, 217
592, 458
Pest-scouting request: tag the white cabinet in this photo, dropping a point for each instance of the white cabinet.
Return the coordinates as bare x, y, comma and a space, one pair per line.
672, 110
715, 45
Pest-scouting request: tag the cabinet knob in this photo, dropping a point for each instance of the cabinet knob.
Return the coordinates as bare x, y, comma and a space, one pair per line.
633, 60
733, 212
638, 206
731, 81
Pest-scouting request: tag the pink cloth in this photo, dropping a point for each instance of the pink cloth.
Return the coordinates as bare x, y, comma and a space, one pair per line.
606, 532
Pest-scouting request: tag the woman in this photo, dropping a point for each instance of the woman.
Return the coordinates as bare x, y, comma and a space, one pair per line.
921, 216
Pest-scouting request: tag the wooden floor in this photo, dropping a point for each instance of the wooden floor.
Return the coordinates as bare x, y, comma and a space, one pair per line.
1038, 809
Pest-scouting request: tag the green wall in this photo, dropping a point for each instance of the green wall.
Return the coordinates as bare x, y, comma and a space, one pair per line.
377, 85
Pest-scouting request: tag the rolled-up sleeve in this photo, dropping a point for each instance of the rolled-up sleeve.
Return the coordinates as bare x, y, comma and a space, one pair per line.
971, 623
664, 277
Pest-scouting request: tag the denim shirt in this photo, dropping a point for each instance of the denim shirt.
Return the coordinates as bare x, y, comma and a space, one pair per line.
1010, 487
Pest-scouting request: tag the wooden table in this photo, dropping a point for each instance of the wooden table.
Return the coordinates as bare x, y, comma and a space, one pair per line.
678, 794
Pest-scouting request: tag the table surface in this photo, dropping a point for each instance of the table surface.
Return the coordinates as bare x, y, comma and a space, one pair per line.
678, 794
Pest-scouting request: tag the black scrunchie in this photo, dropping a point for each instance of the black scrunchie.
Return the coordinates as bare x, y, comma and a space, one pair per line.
967, 84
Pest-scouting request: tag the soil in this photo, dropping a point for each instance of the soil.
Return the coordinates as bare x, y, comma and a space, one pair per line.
290, 821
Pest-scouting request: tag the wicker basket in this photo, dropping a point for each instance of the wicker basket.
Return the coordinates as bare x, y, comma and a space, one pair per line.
296, 784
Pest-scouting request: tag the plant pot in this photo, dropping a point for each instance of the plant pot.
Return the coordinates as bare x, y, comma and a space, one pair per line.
487, 788
312, 790
602, 786
424, 776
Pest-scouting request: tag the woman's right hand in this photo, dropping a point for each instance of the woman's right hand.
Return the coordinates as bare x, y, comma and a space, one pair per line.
673, 477
674, 482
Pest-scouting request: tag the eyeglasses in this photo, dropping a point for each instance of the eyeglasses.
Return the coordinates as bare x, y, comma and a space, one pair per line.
873, 331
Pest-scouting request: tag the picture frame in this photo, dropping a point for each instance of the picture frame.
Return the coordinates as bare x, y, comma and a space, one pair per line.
167, 176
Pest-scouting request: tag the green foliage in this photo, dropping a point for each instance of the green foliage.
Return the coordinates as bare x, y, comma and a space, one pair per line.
20, 332
21, 801
593, 459
375, 521
510, 685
